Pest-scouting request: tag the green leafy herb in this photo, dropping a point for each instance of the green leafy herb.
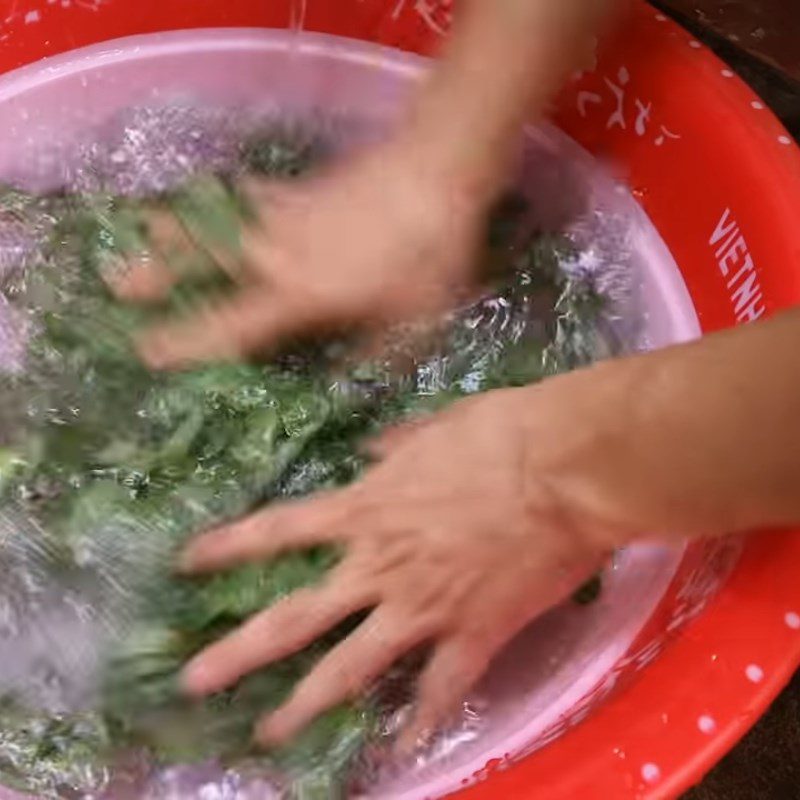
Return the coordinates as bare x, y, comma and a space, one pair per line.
119, 466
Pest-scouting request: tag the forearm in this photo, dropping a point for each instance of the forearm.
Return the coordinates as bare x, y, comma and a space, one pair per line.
696, 440
506, 58
727, 410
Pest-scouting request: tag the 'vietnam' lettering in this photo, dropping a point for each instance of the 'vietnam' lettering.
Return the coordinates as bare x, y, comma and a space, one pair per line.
737, 267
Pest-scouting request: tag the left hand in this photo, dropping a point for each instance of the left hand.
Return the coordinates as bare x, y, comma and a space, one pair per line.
446, 540
376, 240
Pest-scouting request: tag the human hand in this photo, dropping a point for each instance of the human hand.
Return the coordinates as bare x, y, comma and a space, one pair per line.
454, 539
369, 243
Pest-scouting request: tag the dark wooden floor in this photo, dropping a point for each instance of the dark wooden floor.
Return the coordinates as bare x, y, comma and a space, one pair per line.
766, 765
760, 39
766, 29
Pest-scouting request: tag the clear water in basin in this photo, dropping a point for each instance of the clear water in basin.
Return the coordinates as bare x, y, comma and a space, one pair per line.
51, 113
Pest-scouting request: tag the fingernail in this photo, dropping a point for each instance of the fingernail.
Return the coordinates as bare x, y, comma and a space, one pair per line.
201, 554
196, 679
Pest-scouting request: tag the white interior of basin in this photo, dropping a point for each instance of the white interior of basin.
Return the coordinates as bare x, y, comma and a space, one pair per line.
47, 108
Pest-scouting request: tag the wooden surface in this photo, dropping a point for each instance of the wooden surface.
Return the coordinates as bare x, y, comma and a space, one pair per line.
766, 765
768, 61
766, 29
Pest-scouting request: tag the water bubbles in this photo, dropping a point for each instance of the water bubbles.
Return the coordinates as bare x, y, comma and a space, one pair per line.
9, 619
46, 684
297, 19
153, 149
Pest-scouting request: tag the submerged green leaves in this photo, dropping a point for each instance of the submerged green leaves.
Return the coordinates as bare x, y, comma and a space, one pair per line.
119, 466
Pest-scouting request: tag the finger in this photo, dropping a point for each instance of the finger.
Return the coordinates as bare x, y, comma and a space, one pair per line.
343, 674
246, 324
188, 248
145, 280
263, 193
453, 670
261, 260
174, 256
167, 233
229, 262
265, 534
287, 627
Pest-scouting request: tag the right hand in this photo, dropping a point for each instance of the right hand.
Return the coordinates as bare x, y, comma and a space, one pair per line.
471, 524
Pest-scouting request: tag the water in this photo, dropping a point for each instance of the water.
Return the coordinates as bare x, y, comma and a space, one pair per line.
297, 18
52, 118
297, 24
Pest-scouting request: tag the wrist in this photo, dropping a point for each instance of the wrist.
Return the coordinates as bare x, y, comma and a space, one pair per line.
645, 447
427, 172
580, 455
469, 164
